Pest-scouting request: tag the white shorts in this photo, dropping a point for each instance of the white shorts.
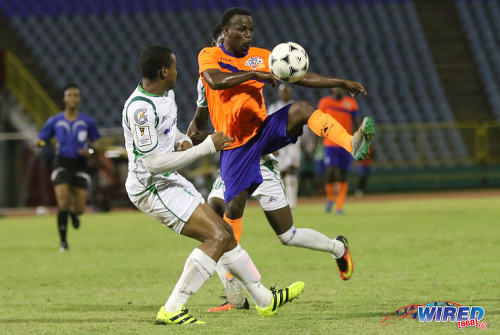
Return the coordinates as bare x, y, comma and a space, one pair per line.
289, 156
270, 194
171, 201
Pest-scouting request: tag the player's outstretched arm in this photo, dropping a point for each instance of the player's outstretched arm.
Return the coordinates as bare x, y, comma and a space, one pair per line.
197, 129
218, 80
315, 80
159, 163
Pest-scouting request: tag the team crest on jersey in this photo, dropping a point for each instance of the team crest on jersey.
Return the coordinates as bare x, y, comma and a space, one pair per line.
140, 116
255, 63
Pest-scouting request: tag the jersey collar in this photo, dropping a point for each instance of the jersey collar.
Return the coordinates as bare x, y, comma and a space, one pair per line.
230, 54
139, 87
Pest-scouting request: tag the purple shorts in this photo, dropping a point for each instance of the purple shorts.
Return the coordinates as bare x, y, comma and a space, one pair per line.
240, 167
338, 156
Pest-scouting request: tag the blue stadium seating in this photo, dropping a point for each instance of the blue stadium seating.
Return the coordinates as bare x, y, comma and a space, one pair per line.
481, 22
377, 42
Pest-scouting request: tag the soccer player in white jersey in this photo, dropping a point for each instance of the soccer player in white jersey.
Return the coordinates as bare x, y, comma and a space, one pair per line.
154, 187
288, 156
272, 199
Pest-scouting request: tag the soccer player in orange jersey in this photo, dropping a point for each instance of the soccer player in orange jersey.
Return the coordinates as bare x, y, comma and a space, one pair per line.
337, 160
233, 75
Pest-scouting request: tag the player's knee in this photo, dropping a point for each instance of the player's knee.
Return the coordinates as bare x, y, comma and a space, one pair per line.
302, 110
234, 209
225, 238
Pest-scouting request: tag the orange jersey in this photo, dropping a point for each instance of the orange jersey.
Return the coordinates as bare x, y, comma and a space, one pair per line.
237, 111
342, 110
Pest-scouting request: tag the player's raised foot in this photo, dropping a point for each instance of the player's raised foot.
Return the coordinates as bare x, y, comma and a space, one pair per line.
281, 297
329, 205
362, 139
181, 317
344, 263
64, 246
75, 220
226, 307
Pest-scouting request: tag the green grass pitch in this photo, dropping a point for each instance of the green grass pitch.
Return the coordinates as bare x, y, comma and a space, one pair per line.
122, 267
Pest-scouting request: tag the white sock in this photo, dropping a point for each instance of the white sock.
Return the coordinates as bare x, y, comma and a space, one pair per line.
309, 238
221, 272
197, 269
240, 265
291, 189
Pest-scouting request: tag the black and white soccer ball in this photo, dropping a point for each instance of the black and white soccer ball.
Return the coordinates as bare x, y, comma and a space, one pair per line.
288, 62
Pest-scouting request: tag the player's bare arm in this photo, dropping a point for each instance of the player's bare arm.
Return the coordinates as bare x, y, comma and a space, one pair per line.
218, 80
315, 80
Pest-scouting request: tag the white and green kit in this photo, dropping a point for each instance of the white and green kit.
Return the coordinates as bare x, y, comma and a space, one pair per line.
153, 185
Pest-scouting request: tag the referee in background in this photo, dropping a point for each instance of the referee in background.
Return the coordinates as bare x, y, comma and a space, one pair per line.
75, 135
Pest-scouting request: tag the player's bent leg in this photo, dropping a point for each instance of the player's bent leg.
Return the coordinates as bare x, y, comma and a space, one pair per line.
298, 114
235, 297
324, 125
236, 260
289, 235
205, 226
282, 223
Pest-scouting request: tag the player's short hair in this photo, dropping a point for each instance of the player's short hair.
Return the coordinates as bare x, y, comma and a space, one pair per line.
152, 59
68, 86
229, 13
216, 31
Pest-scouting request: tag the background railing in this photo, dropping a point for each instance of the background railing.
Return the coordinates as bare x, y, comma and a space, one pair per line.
26, 89
24, 173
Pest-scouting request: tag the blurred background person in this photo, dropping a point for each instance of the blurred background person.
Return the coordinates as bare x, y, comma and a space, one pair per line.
337, 160
75, 135
289, 156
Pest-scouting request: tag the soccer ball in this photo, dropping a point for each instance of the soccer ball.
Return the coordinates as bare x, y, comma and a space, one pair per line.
288, 62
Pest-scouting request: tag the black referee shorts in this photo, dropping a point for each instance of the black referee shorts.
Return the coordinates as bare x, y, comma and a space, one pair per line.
73, 171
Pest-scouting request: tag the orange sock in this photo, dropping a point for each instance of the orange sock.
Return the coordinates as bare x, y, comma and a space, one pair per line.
237, 226
324, 125
330, 193
342, 194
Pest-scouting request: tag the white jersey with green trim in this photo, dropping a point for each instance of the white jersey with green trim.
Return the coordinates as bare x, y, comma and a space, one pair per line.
149, 125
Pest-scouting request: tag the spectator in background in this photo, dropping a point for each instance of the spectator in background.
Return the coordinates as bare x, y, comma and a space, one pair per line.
365, 170
288, 156
337, 160
75, 134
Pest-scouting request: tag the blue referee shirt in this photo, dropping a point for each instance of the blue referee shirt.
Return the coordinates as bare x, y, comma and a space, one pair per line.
71, 136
